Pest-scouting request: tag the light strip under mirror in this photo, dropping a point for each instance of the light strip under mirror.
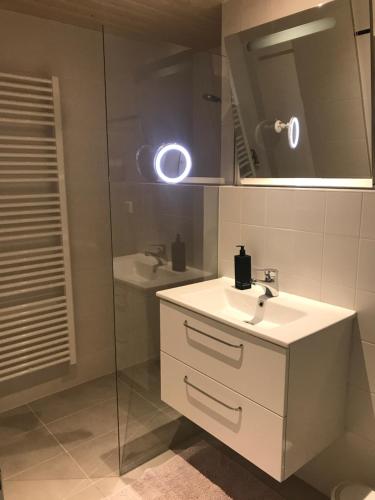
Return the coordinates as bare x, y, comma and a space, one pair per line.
290, 34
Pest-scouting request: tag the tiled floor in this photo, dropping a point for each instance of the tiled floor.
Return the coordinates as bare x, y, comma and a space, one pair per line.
57, 446
66, 447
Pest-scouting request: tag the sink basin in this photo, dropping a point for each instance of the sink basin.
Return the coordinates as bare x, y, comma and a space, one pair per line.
139, 271
282, 320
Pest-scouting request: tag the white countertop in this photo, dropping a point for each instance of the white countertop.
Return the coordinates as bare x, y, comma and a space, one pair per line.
287, 318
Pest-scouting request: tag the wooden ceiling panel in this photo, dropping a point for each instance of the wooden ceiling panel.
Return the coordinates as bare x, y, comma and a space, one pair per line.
191, 23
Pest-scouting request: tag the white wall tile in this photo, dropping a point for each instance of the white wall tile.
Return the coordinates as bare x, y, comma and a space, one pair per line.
350, 458
230, 236
340, 256
341, 296
368, 215
229, 205
296, 209
366, 265
279, 248
361, 413
343, 213
309, 210
365, 307
298, 256
298, 285
253, 237
253, 209
226, 268
307, 255
280, 209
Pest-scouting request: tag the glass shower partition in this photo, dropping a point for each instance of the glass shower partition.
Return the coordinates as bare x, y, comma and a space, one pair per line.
157, 94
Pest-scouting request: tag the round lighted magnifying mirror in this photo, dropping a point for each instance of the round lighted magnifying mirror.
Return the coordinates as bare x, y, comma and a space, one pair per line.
293, 132
172, 163
293, 129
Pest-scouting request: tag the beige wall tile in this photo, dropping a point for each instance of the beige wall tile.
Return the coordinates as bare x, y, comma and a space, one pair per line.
226, 268
343, 213
366, 265
368, 216
340, 256
253, 237
338, 295
365, 307
280, 210
230, 236
296, 209
309, 210
230, 205
253, 206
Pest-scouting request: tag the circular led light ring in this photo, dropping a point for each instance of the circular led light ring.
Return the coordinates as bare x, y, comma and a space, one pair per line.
293, 132
161, 152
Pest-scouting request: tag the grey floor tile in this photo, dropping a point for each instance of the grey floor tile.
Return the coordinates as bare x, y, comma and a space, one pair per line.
72, 400
17, 421
57, 468
99, 457
46, 490
85, 425
26, 450
145, 379
90, 493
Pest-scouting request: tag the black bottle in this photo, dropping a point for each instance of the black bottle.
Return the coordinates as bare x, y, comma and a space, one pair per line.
242, 269
178, 255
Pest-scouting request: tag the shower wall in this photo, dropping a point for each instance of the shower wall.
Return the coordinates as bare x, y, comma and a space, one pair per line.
38, 47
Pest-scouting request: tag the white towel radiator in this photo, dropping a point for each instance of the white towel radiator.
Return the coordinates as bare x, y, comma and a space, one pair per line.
36, 304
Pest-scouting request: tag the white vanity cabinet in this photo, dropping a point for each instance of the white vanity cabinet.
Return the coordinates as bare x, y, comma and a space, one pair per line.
276, 405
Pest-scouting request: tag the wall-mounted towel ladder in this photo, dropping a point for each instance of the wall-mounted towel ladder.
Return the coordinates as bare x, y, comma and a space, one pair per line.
36, 305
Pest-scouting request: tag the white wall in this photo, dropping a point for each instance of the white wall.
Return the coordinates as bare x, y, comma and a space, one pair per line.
38, 47
323, 242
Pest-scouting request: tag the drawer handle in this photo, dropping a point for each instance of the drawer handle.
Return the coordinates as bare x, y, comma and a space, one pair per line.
186, 380
236, 346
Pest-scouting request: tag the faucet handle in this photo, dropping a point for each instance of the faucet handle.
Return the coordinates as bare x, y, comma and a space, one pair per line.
161, 248
271, 274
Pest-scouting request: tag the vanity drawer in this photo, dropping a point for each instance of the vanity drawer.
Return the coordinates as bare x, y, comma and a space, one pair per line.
253, 367
253, 431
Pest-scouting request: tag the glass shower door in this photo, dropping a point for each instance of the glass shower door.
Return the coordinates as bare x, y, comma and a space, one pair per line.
156, 94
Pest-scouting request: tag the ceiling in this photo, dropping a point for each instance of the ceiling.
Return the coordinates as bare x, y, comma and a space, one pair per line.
191, 23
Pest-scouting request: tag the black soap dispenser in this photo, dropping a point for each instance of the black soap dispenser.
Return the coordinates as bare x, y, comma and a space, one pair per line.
178, 255
242, 269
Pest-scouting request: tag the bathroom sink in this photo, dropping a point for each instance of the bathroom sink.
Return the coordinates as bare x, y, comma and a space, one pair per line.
282, 320
141, 271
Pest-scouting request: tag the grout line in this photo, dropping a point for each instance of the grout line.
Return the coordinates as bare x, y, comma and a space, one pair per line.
61, 445
323, 246
89, 407
358, 251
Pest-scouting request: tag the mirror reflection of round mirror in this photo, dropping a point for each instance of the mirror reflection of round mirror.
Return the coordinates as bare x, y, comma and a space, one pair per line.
172, 163
145, 162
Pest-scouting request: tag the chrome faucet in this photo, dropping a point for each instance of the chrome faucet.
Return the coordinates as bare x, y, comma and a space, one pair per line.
160, 254
270, 283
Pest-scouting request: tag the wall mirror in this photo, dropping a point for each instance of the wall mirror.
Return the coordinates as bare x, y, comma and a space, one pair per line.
301, 98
